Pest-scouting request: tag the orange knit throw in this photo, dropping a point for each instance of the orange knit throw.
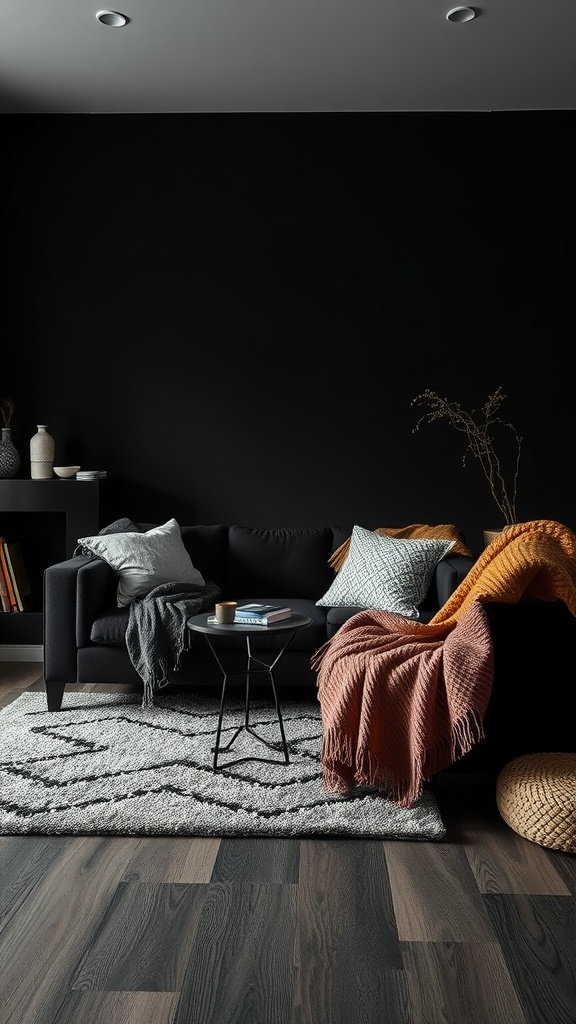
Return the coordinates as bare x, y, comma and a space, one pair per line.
402, 700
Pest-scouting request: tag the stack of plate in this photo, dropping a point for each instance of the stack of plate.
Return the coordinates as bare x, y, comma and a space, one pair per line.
91, 474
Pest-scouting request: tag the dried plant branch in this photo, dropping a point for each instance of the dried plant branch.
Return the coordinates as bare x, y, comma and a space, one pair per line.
480, 441
6, 411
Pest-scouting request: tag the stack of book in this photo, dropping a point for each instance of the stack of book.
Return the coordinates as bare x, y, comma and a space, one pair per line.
261, 614
15, 592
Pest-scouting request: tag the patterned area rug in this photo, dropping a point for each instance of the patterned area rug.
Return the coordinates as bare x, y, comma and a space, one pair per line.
105, 766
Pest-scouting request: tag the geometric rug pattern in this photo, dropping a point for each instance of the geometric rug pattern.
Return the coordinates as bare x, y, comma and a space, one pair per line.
103, 765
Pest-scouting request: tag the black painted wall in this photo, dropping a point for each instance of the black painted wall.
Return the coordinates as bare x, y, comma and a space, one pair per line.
232, 313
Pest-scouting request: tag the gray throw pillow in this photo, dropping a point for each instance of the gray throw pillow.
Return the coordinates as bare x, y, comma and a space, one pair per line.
143, 561
118, 526
385, 573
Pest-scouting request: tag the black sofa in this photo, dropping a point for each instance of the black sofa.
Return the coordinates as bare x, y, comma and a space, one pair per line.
84, 631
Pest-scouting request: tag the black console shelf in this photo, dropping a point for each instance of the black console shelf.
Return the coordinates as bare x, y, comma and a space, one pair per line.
46, 517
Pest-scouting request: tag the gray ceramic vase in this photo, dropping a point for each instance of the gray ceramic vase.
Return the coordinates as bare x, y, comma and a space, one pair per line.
9, 457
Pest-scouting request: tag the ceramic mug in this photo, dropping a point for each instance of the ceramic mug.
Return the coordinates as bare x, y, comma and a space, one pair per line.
225, 611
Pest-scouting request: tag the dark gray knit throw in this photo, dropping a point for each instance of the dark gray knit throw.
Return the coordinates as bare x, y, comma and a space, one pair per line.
157, 635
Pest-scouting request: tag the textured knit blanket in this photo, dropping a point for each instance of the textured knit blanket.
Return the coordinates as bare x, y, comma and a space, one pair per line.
402, 700
157, 634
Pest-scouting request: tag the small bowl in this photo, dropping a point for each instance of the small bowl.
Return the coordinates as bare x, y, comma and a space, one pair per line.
65, 472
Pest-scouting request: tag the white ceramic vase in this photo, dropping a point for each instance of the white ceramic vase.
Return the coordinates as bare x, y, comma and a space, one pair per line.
41, 454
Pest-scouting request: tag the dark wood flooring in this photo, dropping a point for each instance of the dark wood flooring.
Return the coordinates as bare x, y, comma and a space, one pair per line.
479, 928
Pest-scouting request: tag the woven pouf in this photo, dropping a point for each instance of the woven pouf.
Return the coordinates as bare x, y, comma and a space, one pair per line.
536, 796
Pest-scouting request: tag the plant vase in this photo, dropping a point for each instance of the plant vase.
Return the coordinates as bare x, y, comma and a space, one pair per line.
490, 535
9, 457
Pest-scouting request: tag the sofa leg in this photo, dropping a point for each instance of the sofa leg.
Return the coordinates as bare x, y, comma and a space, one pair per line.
54, 695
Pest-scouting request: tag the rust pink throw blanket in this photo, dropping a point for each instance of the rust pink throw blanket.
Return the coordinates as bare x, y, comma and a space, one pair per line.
401, 700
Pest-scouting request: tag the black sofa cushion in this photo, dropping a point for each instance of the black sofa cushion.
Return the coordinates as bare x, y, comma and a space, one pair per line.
207, 547
109, 628
337, 616
290, 562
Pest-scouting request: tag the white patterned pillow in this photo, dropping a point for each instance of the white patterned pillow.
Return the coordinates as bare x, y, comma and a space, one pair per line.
143, 561
386, 573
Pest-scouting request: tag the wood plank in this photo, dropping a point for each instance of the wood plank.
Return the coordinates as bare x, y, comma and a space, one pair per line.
17, 678
20, 674
353, 995
503, 862
257, 860
118, 1008
537, 935
8, 695
565, 865
44, 941
173, 859
145, 939
348, 880
23, 864
240, 969
348, 965
500, 859
435, 894
37, 686
447, 981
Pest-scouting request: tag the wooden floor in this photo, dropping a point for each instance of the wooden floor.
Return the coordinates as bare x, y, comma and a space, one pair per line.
479, 928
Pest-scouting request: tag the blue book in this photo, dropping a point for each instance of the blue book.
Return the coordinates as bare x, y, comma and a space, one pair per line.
266, 612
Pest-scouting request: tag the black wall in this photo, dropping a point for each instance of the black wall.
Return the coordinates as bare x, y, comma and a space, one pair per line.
232, 313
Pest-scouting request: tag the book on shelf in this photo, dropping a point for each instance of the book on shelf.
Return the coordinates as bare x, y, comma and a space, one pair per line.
19, 575
261, 613
4, 599
13, 603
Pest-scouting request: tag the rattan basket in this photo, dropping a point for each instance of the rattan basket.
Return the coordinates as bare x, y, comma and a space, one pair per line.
536, 796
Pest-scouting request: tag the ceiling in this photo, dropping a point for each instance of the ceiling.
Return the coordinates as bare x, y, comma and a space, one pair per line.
286, 55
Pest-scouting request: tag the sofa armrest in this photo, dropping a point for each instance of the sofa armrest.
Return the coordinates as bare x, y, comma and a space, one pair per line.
60, 585
96, 590
449, 574
74, 590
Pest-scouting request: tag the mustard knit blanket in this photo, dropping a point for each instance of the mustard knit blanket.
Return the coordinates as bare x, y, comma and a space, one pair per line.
529, 560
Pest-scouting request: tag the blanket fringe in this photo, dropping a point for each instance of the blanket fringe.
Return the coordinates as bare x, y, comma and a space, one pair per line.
147, 694
344, 769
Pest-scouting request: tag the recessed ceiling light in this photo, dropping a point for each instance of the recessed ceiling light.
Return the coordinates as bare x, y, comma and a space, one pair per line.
112, 19
460, 14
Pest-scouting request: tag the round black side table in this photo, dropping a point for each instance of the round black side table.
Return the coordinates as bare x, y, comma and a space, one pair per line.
200, 624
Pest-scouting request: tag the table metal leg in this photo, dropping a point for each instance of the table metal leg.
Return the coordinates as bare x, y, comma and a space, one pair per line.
249, 671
